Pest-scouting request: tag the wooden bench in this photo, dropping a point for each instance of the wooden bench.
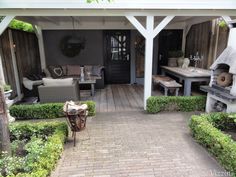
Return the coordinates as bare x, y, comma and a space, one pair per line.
167, 83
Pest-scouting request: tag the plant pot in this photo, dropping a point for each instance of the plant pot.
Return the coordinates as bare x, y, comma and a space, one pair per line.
172, 62
7, 94
180, 62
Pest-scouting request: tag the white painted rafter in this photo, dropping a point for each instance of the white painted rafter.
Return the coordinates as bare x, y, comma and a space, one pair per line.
5, 22
50, 20
162, 25
227, 19
137, 25
38, 32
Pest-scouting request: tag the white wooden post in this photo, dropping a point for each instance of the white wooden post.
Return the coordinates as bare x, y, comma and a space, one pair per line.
39, 34
149, 33
15, 68
2, 77
148, 59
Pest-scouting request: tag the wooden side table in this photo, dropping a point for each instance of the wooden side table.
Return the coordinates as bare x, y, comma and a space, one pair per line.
91, 82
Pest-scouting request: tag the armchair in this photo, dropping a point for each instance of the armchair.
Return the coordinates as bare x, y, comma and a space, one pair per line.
52, 94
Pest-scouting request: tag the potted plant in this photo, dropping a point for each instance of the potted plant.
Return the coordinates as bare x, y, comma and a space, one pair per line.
7, 91
175, 57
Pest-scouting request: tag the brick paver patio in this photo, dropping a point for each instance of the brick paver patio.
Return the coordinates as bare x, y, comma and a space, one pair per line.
136, 144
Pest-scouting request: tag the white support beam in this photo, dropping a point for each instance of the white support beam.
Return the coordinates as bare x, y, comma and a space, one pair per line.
2, 77
183, 40
39, 35
162, 25
137, 25
5, 22
149, 33
148, 59
15, 68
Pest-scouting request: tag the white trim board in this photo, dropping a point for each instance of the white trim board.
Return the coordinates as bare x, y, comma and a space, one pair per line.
121, 4
120, 12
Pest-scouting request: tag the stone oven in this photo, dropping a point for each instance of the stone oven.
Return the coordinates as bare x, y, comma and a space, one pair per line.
221, 92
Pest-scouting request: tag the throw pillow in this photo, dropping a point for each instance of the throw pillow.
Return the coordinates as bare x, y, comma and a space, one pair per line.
57, 82
64, 68
56, 71
88, 68
46, 72
73, 70
30, 77
97, 70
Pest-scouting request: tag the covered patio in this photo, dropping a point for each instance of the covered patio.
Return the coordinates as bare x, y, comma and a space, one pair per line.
148, 18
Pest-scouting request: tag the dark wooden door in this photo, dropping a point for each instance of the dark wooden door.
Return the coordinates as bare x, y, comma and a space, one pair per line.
117, 57
169, 40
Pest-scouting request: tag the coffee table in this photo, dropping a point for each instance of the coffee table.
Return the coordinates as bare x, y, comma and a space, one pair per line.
91, 82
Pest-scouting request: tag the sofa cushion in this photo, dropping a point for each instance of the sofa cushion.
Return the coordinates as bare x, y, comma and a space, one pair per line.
73, 70
56, 71
57, 82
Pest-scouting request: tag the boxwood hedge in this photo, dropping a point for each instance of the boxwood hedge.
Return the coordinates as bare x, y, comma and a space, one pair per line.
44, 111
43, 145
157, 104
207, 130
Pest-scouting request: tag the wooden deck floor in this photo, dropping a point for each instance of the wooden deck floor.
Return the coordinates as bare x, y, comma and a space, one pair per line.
117, 98
114, 98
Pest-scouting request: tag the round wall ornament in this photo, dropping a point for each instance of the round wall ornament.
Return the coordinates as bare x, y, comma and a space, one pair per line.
71, 46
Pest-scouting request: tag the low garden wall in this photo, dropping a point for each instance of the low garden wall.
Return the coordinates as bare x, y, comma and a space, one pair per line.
35, 147
44, 111
208, 129
157, 104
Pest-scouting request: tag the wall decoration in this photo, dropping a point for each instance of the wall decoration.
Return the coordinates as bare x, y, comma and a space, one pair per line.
72, 45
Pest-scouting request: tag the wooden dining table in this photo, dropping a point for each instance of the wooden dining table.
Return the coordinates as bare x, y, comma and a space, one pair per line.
188, 75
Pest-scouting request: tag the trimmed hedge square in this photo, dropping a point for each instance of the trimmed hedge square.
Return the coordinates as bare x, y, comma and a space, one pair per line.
206, 129
157, 104
45, 111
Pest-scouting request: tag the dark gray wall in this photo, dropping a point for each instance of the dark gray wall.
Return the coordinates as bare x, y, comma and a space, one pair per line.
92, 54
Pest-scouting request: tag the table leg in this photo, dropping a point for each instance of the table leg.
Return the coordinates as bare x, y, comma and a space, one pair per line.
166, 91
92, 90
176, 91
187, 87
163, 73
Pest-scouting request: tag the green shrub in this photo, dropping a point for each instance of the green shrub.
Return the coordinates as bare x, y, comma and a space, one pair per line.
6, 88
175, 53
45, 111
222, 146
156, 104
42, 151
20, 25
91, 107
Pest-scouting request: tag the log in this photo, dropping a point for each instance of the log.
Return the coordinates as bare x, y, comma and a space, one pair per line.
4, 129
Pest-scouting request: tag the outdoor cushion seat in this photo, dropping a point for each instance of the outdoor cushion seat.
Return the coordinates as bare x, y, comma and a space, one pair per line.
59, 93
